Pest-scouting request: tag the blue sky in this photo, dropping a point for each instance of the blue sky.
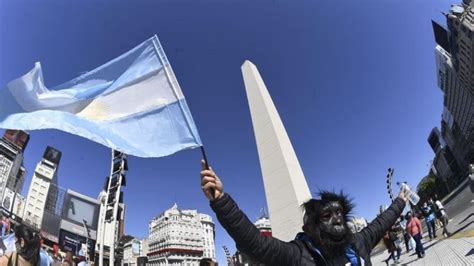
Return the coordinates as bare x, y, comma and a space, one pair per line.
354, 83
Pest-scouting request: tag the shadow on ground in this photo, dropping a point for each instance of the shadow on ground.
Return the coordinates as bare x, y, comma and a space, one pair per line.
465, 219
470, 253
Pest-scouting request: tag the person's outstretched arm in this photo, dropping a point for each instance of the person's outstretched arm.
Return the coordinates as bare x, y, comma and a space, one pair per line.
374, 232
268, 250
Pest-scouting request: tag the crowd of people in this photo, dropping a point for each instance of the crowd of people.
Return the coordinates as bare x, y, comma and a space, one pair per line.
409, 228
21, 246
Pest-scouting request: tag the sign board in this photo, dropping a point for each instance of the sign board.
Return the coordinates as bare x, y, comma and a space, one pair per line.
17, 137
77, 209
7, 201
52, 155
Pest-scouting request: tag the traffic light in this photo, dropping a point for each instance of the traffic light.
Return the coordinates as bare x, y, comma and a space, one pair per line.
117, 154
389, 182
109, 214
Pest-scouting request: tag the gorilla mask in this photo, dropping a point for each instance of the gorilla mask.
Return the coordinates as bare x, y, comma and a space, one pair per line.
325, 223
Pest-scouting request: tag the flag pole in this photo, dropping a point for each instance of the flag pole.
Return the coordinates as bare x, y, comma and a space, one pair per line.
204, 157
203, 152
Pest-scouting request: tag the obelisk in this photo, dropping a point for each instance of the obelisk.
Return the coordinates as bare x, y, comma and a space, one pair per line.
285, 185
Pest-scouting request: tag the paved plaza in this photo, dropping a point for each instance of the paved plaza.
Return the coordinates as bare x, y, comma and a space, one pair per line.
438, 252
458, 249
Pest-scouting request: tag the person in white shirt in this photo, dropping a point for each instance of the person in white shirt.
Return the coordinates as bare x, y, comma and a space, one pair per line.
443, 217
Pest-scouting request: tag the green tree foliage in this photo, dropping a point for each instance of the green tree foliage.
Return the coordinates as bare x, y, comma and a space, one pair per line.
428, 187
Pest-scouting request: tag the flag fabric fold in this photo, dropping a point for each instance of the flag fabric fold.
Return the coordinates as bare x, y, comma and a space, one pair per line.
132, 104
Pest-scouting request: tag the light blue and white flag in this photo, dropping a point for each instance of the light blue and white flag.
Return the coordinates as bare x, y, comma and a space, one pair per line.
132, 104
8, 243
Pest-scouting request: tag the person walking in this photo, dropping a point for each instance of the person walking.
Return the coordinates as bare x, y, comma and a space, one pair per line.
4, 225
429, 215
415, 231
406, 236
68, 260
443, 217
392, 243
45, 258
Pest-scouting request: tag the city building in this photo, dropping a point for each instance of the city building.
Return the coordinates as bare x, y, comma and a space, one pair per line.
134, 252
356, 224
78, 224
264, 225
457, 125
180, 237
12, 172
19, 206
46, 173
69, 221
285, 185
444, 163
454, 144
145, 248
461, 39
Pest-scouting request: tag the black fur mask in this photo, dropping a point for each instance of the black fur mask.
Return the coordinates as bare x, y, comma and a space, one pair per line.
325, 223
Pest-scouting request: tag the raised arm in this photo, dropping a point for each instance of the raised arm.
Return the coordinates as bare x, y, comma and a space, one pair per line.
374, 232
268, 250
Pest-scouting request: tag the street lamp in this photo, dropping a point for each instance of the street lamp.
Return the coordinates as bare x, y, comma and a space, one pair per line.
389, 182
88, 235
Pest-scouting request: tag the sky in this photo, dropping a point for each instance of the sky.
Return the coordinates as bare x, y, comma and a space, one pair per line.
354, 83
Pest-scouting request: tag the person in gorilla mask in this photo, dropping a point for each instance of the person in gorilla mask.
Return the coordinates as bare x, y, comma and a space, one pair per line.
325, 240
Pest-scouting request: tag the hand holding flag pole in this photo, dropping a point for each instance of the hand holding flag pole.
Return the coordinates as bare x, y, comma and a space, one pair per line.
210, 182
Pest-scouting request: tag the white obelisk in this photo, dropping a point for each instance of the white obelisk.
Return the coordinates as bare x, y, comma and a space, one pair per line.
285, 185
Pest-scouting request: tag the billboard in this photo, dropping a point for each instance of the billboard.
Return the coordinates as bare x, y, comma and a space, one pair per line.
52, 155
77, 210
7, 200
136, 247
72, 242
17, 137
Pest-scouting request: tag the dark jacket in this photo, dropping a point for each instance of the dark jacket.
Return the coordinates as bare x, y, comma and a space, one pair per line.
390, 239
273, 251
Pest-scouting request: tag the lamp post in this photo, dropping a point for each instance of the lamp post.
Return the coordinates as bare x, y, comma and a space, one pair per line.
389, 182
88, 235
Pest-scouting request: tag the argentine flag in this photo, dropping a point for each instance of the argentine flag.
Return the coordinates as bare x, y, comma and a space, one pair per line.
132, 104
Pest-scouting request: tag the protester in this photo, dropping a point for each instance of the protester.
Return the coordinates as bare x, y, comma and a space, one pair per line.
45, 258
81, 260
443, 217
207, 262
68, 260
325, 239
28, 249
57, 260
3, 226
406, 236
7, 225
392, 243
415, 231
429, 215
